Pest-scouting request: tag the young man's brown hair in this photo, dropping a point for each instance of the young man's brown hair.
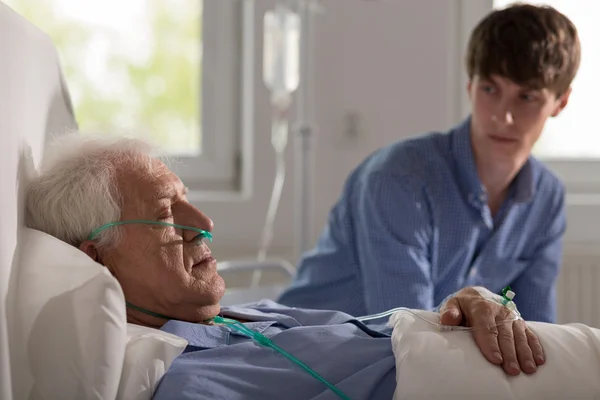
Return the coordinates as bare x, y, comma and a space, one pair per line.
534, 46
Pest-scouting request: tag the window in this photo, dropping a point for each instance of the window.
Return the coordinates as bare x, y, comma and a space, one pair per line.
166, 70
570, 143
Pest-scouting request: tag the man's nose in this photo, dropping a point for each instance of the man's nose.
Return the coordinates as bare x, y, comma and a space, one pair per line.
504, 114
197, 219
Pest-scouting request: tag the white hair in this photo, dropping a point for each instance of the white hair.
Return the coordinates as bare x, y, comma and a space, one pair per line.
76, 191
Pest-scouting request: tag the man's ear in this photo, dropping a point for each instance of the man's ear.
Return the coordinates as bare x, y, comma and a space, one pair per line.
469, 86
89, 248
563, 100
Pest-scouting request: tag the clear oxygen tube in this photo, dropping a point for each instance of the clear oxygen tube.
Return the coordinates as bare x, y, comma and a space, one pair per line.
265, 341
505, 300
281, 65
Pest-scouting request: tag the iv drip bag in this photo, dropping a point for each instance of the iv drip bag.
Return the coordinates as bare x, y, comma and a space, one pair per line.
281, 50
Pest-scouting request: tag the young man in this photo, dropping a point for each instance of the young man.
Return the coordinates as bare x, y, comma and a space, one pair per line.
424, 217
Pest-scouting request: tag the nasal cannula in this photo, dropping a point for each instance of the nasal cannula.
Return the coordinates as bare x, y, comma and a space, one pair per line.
201, 233
505, 300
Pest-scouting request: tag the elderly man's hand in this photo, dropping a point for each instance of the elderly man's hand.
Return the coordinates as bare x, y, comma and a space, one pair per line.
511, 344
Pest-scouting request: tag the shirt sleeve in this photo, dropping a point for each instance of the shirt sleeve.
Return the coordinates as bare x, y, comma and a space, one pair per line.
535, 288
393, 242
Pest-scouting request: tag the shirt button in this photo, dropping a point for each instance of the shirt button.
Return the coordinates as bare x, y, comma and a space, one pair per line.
473, 273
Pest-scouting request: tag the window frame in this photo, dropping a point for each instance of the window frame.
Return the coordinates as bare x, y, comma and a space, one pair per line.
580, 176
223, 170
227, 67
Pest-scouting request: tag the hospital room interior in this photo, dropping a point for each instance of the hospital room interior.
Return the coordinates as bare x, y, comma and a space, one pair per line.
396, 182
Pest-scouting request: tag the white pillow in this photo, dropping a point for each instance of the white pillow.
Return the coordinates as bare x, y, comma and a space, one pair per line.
434, 365
73, 341
70, 325
148, 356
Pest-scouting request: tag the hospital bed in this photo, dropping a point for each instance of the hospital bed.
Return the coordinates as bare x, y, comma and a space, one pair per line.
63, 330
33, 102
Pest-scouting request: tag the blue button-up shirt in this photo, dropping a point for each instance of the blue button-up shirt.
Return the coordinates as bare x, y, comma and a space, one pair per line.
413, 226
220, 363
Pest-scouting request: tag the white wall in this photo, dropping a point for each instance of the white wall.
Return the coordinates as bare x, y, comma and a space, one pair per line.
387, 62
395, 65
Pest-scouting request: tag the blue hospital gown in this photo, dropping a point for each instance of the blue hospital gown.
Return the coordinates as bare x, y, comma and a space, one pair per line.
220, 363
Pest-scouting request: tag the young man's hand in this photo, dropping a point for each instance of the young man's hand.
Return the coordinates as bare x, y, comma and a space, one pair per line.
509, 343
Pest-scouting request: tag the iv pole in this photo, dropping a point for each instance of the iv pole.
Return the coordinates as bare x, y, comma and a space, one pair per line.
304, 130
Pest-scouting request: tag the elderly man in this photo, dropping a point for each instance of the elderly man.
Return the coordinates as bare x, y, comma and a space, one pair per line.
128, 211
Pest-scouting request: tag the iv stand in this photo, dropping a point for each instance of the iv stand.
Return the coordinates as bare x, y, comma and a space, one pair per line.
304, 131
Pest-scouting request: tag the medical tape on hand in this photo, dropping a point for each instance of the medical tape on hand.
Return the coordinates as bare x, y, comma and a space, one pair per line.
506, 299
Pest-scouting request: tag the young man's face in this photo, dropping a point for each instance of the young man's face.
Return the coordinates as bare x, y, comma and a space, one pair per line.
507, 119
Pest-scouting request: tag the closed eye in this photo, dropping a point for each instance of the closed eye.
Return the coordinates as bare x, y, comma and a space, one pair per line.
167, 214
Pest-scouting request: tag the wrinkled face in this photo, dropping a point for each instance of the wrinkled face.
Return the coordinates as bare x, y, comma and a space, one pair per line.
163, 269
508, 119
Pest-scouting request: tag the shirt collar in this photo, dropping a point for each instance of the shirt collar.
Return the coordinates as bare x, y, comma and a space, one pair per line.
210, 336
198, 335
203, 336
524, 182
522, 186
